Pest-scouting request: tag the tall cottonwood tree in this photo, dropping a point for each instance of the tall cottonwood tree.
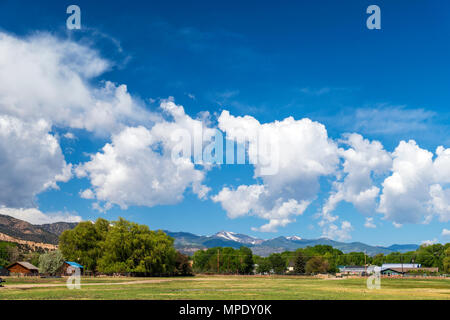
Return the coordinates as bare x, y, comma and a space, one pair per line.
84, 244
133, 248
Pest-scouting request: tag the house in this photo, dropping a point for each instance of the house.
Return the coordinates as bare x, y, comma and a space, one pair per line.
290, 267
4, 272
23, 268
402, 271
69, 268
352, 270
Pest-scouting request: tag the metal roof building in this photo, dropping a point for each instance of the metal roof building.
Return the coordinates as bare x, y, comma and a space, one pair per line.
400, 265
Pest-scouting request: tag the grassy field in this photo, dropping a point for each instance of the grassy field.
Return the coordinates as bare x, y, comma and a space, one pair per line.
225, 287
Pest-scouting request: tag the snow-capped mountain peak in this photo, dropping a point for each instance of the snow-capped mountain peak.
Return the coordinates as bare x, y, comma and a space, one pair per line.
228, 235
242, 238
294, 238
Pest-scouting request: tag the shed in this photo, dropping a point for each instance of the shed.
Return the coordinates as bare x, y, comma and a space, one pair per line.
23, 268
69, 267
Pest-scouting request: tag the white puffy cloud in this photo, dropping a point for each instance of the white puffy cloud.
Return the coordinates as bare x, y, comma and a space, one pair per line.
361, 160
342, 233
240, 202
137, 167
414, 190
31, 161
440, 202
70, 136
249, 200
289, 156
35, 216
49, 78
413, 193
426, 243
445, 233
47, 82
87, 194
369, 223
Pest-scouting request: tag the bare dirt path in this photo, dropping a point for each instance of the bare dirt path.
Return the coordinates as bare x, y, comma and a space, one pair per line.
43, 285
49, 285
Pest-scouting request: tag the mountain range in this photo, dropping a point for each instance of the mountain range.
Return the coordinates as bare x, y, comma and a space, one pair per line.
189, 243
12, 229
22, 230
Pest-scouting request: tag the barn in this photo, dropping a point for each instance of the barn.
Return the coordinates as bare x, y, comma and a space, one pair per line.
69, 268
23, 268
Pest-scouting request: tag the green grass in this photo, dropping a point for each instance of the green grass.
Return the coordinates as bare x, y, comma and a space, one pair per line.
229, 287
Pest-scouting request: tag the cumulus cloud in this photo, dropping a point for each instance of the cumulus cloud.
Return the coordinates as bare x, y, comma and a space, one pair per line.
362, 159
413, 192
299, 152
249, 200
47, 83
70, 136
369, 223
35, 216
31, 161
50, 78
342, 233
413, 189
445, 233
426, 243
137, 167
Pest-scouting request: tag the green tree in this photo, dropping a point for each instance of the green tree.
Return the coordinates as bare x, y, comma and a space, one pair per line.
378, 259
245, 261
446, 261
13, 254
130, 247
33, 258
202, 260
431, 255
277, 263
264, 266
182, 265
316, 265
51, 262
84, 244
224, 260
300, 263
9, 253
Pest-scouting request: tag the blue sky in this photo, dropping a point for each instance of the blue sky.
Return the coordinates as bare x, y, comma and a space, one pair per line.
270, 61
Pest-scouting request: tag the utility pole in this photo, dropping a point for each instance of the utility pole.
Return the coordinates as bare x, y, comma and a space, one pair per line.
241, 262
365, 263
401, 259
218, 260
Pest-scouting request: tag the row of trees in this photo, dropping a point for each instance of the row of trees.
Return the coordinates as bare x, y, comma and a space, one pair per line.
324, 258
302, 264
122, 247
224, 260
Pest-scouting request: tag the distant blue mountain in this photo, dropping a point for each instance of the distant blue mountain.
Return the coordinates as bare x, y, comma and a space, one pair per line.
403, 247
189, 243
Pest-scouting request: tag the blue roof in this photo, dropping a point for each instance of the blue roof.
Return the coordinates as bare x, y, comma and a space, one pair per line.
74, 264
